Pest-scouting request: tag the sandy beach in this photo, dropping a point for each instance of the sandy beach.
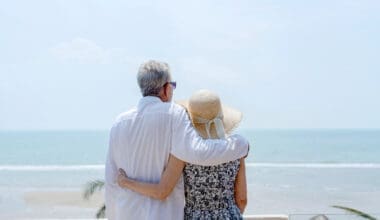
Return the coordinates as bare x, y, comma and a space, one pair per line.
71, 205
263, 200
54, 204
70, 198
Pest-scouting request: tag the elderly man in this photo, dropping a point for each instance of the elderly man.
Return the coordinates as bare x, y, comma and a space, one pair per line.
142, 139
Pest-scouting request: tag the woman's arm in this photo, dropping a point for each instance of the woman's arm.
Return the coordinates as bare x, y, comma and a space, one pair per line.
160, 190
241, 187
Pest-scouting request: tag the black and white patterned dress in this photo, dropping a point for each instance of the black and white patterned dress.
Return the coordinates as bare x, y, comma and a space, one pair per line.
209, 191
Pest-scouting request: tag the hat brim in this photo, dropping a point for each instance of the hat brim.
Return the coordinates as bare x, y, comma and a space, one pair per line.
231, 117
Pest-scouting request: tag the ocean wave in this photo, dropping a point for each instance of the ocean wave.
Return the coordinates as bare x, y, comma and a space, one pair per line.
100, 167
50, 167
316, 165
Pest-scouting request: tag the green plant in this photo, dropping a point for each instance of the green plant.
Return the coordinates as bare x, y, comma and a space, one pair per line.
90, 188
355, 212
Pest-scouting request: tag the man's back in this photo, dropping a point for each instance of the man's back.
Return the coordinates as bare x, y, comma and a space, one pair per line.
140, 143
142, 139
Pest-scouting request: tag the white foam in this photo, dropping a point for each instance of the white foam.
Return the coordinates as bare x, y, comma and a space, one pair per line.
100, 167
316, 165
50, 167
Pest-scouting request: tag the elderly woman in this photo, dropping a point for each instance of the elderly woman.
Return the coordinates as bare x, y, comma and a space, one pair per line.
211, 192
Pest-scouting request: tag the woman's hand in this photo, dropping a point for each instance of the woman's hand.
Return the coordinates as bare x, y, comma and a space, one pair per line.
122, 178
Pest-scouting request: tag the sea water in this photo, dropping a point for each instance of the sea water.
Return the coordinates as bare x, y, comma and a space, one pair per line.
288, 171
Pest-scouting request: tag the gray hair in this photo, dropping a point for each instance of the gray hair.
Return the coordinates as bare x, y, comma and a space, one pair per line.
152, 76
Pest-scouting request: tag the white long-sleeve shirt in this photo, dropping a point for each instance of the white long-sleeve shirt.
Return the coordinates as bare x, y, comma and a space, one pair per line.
141, 141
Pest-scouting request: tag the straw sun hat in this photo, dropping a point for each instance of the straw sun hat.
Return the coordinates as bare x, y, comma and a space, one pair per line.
210, 118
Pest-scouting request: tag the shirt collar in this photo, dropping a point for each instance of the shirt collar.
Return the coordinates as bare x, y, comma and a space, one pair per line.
144, 101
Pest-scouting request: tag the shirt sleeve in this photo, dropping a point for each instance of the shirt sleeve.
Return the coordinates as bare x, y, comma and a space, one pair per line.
110, 181
190, 147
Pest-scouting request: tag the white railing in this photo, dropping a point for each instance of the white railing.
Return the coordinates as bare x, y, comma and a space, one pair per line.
266, 217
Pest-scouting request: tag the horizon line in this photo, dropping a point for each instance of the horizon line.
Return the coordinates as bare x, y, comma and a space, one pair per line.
100, 167
238, 129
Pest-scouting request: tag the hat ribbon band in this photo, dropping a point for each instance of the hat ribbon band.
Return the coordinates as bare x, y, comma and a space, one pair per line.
218, 125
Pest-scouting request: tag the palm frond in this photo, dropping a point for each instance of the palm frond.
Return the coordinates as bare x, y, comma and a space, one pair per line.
319, 217
355, 212
91, 187
101, 212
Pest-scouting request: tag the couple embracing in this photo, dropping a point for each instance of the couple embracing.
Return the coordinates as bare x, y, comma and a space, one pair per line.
171, 160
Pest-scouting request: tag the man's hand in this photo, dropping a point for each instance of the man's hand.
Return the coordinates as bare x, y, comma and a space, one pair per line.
122, 178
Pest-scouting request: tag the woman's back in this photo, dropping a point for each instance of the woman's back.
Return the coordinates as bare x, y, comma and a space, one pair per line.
209, 191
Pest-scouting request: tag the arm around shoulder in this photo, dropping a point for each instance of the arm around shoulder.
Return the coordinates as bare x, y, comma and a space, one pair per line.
189, 146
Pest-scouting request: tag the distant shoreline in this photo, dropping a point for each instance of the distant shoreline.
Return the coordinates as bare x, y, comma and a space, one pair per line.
99, 167
238, 129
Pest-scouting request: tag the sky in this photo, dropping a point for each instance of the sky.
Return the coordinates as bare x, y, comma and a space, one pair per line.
68, 64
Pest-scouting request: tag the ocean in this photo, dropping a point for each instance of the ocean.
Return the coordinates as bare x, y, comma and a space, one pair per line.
296, 172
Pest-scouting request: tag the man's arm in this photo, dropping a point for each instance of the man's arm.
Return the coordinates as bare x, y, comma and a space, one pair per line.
110, 181
188, 146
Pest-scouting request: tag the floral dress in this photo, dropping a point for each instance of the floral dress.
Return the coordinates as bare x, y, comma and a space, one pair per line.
209, 191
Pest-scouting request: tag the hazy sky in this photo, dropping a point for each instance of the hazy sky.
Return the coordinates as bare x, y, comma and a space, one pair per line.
285, 64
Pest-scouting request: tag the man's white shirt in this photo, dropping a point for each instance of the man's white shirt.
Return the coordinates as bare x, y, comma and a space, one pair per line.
141, 141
